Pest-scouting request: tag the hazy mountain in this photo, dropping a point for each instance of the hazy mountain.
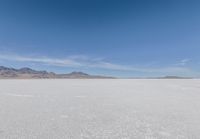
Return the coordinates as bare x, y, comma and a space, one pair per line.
29, 73
175, 77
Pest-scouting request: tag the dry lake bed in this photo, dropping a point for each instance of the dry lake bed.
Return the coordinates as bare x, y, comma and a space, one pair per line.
100, 109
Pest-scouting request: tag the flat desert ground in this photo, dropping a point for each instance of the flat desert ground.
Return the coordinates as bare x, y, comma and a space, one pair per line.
100, 109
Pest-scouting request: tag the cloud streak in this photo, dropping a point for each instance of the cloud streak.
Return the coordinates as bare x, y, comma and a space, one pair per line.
81, 61
43, 60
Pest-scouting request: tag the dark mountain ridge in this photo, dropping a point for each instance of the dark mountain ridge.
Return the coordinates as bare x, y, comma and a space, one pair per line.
28, 73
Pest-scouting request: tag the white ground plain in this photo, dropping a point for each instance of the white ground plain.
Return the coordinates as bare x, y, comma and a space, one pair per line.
100, 109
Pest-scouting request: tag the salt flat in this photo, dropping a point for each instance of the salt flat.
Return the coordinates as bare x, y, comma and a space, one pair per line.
100, 109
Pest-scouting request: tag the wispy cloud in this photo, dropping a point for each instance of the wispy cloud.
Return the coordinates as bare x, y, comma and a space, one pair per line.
43, 60
82, 61
71, 61
183, 62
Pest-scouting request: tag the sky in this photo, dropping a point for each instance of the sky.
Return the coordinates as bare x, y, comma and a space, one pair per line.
122, 38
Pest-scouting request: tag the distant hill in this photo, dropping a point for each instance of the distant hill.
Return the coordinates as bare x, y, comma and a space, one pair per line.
164, 77
175, 77
28, 73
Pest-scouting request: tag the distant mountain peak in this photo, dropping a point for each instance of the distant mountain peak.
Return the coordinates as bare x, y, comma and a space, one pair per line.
4, 68
27, 70
78, 73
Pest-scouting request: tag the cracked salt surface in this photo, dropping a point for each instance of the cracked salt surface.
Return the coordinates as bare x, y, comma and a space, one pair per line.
99, 109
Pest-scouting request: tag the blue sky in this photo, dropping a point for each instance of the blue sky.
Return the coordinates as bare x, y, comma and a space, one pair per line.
123, 38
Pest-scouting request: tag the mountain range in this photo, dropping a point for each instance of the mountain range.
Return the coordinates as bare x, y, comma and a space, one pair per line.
28, 73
